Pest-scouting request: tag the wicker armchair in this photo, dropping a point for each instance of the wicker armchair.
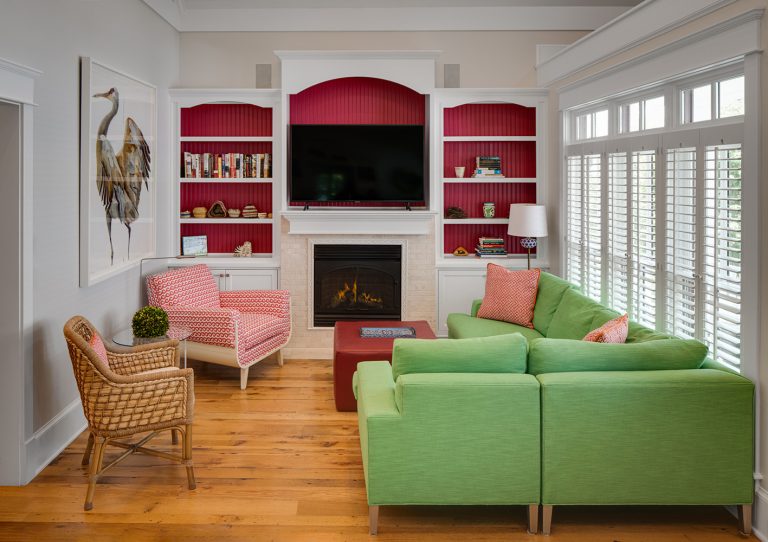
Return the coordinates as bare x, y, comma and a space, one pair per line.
138, 390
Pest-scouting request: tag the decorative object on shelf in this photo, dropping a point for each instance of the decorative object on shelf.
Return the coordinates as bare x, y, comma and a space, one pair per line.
455, 212
262, 215
185, 214
250, 211
489, 209
199, 212
461, 251
194, 245
217, 210
150, 322
459, 170
490, 247
233, 213
528, 221
269, 215
487, 166
245, 250
113, 156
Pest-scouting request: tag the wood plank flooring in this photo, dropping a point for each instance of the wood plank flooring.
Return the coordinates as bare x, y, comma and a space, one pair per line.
277, 462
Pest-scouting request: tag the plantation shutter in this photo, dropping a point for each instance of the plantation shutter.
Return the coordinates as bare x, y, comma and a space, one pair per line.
682, 303
574, 220
617, 287
643, 238
722, 253
593, 243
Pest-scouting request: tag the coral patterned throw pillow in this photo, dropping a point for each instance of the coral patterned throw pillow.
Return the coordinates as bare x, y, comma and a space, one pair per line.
98, 346
613, 331
510, 296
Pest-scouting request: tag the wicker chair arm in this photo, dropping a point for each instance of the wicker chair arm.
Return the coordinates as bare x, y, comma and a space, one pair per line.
275, 302
145, 357
209, 325
133, 403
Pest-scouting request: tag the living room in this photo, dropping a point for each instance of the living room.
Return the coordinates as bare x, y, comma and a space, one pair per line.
602, 142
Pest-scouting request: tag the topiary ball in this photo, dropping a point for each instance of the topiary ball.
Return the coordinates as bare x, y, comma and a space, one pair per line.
150, 322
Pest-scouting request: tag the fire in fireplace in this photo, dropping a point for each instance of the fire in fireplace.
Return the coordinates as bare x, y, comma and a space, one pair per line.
356, 282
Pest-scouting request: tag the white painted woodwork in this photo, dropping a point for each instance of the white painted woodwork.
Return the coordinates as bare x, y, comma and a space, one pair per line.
359, 222
456, 289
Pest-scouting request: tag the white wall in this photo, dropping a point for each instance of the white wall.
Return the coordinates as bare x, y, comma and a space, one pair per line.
487, 59
51, 35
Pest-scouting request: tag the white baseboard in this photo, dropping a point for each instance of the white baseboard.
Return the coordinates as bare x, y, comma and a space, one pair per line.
760, 514
307, 353
51, 439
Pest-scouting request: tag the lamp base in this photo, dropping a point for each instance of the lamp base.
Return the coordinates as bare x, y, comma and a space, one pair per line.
528, 243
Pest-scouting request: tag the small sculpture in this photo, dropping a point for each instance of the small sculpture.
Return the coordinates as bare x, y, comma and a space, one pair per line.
455, 212
250, 211
217, 210
233, 213
460, 251
245, 250
199, 212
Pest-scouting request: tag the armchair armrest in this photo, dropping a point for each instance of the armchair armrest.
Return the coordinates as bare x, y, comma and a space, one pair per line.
137, 359
275, 302
209, 325
475, 307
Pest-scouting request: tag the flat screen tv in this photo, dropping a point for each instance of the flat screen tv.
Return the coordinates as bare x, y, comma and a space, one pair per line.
356, 163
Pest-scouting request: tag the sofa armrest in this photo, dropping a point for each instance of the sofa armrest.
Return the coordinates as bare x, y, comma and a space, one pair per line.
375, 390
475, 307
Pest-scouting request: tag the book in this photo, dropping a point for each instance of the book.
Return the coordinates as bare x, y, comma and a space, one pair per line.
226, 165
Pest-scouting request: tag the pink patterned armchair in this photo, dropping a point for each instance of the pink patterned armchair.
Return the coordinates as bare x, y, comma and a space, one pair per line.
237, 328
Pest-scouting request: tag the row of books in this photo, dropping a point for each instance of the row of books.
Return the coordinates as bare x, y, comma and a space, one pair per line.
488, 166
490, 247
227, 165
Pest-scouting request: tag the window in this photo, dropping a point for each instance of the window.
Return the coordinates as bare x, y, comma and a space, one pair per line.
654, 226
592, 125
640, 115
716, 100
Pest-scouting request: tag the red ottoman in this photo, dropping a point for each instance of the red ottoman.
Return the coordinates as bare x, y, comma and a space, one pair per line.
349, 349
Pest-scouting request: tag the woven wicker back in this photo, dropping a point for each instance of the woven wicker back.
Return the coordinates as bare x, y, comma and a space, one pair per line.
86, 364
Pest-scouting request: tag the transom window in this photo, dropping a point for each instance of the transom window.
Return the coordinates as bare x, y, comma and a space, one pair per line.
592, 125
713, 100
640, 115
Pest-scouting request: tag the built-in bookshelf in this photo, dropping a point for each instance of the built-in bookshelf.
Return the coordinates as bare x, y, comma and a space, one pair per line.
226, 152
492, 123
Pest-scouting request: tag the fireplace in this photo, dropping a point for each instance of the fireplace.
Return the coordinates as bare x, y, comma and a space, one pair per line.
356, 282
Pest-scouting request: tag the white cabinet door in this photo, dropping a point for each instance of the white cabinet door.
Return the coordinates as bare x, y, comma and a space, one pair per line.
251, 279
220, 276
456, 289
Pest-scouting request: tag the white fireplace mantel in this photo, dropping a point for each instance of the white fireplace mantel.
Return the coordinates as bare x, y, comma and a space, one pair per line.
359, 222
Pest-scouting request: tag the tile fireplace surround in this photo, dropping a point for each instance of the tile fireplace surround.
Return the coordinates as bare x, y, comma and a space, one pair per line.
419, 293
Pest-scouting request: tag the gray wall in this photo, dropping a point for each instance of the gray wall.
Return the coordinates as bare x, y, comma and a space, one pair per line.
51, 35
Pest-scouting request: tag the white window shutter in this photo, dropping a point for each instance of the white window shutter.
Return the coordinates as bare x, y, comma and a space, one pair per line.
574, 220
618, 279
593, 242
643, 238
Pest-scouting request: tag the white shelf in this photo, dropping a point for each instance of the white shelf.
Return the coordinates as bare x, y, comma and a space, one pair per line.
489, 138
476, 180
475, 221
513, 261
360, 222
226, 221
221, 180
228, 260
218, 139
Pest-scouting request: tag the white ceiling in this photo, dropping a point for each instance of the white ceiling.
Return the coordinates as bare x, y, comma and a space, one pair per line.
388, 15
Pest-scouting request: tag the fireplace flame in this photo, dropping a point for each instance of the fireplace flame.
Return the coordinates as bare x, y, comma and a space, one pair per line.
349, 294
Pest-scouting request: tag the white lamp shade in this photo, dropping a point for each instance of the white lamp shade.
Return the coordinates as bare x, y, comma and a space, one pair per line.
527, 220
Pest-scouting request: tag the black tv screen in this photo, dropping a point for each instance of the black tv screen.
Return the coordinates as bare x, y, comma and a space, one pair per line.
361, 162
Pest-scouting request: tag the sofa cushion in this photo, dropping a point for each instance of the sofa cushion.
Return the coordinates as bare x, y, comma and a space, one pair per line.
638, 333
565, 355
576, 316
613, 331
192, 287
551, 291
499, 354
463, 326
510, 296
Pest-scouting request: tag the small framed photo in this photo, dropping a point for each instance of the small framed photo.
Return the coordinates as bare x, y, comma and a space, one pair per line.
194, 245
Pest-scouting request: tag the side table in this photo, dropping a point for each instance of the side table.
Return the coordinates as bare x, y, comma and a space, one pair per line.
181, 334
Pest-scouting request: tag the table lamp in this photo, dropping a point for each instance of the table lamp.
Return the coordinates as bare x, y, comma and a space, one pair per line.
527, 221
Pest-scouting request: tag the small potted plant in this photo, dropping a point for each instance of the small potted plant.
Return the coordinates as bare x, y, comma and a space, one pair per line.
150, 323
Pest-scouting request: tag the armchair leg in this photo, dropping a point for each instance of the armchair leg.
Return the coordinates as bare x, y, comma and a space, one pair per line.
373, 519
533, 518
546, 519
745, 518
88, 450
280, 358
243, 378
187, 456
93, 473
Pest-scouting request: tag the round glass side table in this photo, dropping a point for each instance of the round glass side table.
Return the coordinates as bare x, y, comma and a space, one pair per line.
181, 334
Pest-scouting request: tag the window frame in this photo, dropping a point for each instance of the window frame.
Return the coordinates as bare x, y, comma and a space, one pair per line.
711, 78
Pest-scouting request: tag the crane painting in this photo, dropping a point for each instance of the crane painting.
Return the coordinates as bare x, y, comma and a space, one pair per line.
117, 177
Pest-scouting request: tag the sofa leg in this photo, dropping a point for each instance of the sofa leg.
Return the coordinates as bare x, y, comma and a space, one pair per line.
243, 378
533, 518
745, 518
546, 519
373, 519
280, 358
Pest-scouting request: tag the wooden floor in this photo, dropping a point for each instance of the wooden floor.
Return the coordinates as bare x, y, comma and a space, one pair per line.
277, 462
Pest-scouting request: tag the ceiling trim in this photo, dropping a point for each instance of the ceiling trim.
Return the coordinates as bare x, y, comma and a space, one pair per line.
638, 25
384, 19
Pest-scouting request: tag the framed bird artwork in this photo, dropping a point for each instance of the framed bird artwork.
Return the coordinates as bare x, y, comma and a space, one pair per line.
118, 125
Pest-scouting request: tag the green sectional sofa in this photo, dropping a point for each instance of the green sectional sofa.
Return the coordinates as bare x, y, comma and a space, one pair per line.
648, 422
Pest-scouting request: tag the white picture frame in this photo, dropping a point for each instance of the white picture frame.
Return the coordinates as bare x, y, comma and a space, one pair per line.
118, 159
